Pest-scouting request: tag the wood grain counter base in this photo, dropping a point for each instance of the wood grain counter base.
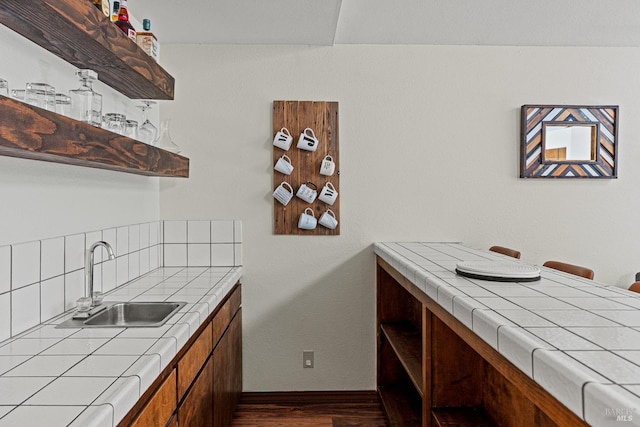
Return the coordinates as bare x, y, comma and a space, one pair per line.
464, 379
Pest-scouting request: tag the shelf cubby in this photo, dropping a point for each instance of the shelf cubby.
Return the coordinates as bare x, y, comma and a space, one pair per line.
405, 341
461, 417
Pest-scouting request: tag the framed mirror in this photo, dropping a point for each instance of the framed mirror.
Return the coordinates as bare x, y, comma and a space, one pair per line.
560, 141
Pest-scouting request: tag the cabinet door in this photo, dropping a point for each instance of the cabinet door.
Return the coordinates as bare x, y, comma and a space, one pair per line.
193, 360
227, 368
226, 313
196, 409
161, 406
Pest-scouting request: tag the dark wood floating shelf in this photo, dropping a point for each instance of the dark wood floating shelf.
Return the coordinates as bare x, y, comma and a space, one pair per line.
79, 33
30, 132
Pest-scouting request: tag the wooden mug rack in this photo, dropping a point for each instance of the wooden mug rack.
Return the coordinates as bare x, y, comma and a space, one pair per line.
322, 117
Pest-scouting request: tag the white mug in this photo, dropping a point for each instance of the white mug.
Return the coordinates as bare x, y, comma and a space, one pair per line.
307, 221
307, 193
327, 167
283, 195
328, 219
283, 139
328, 194
308, 140
283, 165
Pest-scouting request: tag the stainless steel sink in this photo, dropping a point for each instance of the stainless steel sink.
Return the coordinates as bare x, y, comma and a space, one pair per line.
128, 315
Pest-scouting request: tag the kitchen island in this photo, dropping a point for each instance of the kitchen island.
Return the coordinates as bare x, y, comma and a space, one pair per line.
109, 376
558, 351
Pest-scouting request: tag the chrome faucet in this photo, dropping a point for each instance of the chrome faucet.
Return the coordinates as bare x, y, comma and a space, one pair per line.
88, 266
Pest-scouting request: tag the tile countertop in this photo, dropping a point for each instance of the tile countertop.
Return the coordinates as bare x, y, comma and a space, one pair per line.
93, 377
577, 338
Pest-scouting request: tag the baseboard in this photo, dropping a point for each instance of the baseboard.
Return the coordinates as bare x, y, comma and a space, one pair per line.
308, 397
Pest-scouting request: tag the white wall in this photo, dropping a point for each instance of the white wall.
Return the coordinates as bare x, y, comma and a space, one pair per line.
40, 200
429, 151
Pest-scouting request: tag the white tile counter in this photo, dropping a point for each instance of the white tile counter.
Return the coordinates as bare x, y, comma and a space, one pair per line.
93, 377
577, 338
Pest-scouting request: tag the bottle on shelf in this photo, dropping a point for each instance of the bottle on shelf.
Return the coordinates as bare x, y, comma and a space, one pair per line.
86, 105
115, 11
147, 40
106, 8
123, 21
103, 5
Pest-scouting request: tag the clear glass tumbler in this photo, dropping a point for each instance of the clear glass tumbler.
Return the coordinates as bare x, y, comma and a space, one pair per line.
63, 104
131, 129
18, 94
114, 122
41, 95
4, 87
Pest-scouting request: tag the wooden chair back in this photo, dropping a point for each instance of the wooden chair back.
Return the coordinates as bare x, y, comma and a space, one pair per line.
505, 251
585, 272
635, 287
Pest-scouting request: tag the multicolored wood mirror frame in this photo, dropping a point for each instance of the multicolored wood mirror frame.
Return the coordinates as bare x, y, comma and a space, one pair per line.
538, 161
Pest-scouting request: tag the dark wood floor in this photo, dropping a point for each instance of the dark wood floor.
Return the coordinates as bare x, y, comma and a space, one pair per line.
262, 413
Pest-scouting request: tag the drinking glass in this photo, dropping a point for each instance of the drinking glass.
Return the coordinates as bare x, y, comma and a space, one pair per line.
147, 132
4, 87
114, 122
41, 95
63, 104
131, 129
18, 94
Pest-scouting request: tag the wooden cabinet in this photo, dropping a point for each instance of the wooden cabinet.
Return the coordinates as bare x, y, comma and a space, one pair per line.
227, 368
433, 371
193, 360
161, 406
206, 380
196, 410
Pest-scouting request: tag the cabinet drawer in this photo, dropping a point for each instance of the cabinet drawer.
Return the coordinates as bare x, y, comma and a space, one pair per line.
161, 406
224, 316
193, 360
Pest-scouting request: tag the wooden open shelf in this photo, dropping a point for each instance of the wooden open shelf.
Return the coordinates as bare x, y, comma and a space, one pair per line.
79, 33
461, 417
405, 341
433, 371
401, 411
30, 132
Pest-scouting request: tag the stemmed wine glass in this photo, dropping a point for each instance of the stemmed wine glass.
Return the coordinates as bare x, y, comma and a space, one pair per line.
147, 132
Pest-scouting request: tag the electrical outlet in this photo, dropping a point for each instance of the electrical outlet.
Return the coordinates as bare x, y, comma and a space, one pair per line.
307, 358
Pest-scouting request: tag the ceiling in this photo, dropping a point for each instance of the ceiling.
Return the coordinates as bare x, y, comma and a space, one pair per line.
434, 22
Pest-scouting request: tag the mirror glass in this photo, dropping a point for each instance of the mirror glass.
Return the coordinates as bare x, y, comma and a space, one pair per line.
570, 142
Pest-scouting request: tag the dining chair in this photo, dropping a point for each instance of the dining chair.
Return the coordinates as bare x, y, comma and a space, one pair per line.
635, 287
505, 251
585, 272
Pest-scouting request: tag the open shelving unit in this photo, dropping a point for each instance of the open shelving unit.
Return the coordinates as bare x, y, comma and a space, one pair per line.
432, 371
80, 34
30, 132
